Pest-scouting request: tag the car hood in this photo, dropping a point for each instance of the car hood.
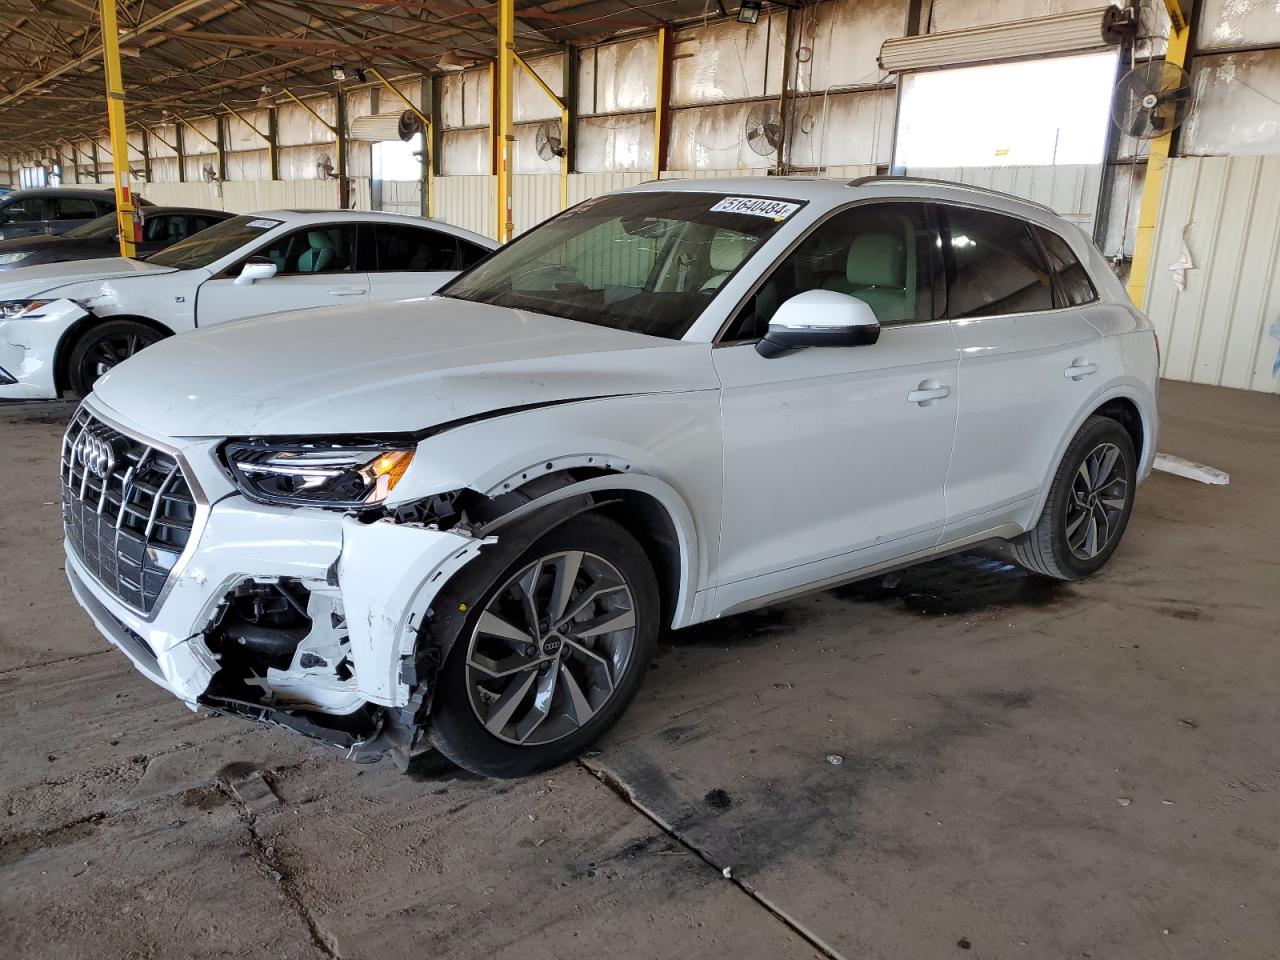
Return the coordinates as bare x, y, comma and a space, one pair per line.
393, 368
30, 281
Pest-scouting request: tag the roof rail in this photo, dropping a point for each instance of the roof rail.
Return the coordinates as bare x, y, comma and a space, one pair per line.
987, 191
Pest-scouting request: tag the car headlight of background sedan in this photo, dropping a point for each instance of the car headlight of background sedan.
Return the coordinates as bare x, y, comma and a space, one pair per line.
12, 309
337, 475
14, 257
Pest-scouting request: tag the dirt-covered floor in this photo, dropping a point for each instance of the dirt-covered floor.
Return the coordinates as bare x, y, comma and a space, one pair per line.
1025, 770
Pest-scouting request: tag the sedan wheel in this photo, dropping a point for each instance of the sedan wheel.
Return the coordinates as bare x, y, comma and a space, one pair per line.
101, 348
1099, 499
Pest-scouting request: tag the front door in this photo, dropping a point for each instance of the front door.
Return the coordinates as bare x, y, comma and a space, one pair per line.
835, 457
316, 267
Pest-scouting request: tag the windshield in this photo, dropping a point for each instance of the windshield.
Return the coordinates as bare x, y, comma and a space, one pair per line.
203, 248
648, 262
104, 226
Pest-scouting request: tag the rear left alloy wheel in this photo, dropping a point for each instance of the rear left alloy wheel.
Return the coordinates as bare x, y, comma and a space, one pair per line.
103, 346
552, 653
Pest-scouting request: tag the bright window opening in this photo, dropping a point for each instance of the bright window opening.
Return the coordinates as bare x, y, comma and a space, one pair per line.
1037, 112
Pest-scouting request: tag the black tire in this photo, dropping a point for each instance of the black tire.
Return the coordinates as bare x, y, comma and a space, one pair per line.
104, 345
455, 727
1047, 548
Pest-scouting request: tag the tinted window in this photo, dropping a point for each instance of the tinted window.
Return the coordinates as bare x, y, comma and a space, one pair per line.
197, 223
215, 243
23, 211
470, 254
995, 265
882, 253
104, 226
320, 249
164, 228
648, 261
1074, 285
74, 208
412, 248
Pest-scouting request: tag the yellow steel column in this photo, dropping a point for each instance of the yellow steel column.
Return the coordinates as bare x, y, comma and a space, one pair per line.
506, 108
1157, 160
661, 121
116, 120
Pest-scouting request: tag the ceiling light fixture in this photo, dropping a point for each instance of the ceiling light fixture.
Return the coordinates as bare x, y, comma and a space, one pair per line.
749, 10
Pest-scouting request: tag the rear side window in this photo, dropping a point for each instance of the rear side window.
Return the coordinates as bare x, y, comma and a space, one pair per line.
1074, 285
469, 254
994, 265
403, 249
74, 208
27, 210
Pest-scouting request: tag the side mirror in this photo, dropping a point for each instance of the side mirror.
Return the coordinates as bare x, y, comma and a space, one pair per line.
819, 318
255, 268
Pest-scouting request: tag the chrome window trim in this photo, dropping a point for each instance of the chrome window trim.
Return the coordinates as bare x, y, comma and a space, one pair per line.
198, 522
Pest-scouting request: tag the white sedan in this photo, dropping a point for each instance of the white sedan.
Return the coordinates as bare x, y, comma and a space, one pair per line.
463, 520
64, 325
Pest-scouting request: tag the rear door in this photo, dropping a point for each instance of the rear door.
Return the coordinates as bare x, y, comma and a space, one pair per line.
64, 213
317, 266
1025, 357
409, 261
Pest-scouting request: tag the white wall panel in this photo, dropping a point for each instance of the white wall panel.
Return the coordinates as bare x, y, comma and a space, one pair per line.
845, 128
467, 202
838, 43
1238, 23
727, 61
958, 14
249, 165
298, 127
615, 144
714, 138
465, 153
531, 101
583, 186
402, 196
1235, 104
464, 98
1217, 330
619, 77
535, 197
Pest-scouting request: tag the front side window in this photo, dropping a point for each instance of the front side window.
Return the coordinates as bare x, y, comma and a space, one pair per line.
166, 228
413, 249
1074, 285
883, 253
213, 244
994, 264
22, 211
647, 262
320, 249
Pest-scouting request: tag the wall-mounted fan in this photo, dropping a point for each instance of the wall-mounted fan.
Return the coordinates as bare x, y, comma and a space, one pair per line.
409, 127
548, 140
209, 173
763, 129
1151, 100
324, 167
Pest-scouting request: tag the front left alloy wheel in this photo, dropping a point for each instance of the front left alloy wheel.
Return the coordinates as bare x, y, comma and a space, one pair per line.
552, 653
102, 347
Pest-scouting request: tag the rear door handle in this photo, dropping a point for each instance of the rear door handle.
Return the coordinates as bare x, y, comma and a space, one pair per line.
928, 392
347, 292
1079, 369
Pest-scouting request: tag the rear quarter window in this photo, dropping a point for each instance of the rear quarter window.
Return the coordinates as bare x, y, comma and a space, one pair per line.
1073, 284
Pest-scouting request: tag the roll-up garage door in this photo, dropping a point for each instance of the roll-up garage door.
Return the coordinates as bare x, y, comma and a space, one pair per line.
1085, 30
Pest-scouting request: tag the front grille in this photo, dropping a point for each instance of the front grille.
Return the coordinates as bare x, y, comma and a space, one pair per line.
127, 509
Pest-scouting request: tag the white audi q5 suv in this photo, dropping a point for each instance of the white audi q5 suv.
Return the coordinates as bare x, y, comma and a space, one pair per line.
462, 520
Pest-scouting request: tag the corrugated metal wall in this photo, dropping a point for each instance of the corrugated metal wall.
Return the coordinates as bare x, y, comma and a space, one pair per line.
1070, 190
1224, 327
248, 196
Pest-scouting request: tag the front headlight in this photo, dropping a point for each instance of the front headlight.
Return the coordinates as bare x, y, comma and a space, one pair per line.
12, 309
337, 475
14, 257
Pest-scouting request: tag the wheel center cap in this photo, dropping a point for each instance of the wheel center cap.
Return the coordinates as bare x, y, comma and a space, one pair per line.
551, 645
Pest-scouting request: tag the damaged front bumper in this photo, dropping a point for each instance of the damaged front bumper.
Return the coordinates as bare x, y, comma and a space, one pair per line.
29, 346
364, 587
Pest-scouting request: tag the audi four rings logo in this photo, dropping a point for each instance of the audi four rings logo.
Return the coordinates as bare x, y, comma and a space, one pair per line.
97, 455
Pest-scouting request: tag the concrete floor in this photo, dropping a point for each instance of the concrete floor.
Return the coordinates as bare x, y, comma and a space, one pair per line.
1028, 770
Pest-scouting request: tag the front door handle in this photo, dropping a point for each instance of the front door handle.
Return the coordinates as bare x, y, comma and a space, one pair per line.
1079, 369
928, 392
347, 292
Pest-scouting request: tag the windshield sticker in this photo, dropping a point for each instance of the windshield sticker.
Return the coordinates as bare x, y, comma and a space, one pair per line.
777, 210
262, 224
